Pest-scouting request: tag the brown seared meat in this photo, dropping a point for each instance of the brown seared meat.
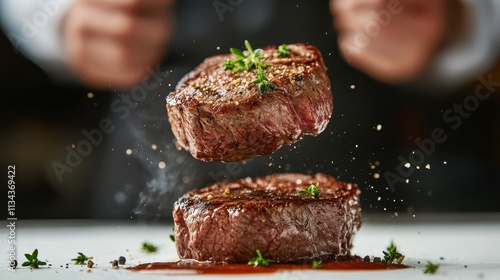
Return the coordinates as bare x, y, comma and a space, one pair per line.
229, 221
218, 115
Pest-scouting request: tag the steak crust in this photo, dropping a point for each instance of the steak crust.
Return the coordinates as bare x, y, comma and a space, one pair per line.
229, 221
218, 115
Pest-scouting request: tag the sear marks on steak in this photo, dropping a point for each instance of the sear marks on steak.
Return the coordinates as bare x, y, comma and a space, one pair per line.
229, 221
219, 115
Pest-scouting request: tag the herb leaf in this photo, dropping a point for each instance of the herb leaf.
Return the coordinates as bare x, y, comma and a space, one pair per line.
229, 64
311, 190
317, 264
172, 236
253, 59
81, 258
263, 81
392, 256
148, 247
236, 52
283, 51
29, 257
247, 61
33, 261
259, 260
431, 268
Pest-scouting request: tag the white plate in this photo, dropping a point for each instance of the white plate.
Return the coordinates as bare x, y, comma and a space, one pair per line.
469, 246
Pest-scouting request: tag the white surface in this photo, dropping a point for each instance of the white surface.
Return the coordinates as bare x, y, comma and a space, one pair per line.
462, 240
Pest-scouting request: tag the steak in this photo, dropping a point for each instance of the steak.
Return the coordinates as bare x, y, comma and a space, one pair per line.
229, 221
219, 115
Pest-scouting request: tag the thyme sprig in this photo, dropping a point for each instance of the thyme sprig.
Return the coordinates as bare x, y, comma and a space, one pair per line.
431, 268
149, 247
252, 59
172, 236
311, 190
283, 51
392, 256
263, 81
33, 261
248, 60
81, 258
317, 264
259, 260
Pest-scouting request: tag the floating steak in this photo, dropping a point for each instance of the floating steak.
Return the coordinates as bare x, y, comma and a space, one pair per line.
229, 221
220, 115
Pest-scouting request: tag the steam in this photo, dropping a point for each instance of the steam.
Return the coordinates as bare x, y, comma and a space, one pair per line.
166, 167
158, 194
161, 172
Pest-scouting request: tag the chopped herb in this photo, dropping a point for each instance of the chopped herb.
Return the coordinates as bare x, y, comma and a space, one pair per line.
81, 259
148, 247
33, 261
230, 65
253, 59
172, 237
259, 260
311, 190
249, 60
283, 51
431, 268
317, 264
263, 81
392, 256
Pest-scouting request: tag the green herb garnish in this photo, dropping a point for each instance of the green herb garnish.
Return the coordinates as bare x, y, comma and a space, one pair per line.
311, 190
263, 81
172, 237
259, 260
81, 258
148, 247
253, 59
283, 51
431, 268
317, 264
33, 261
247, 61
392, 256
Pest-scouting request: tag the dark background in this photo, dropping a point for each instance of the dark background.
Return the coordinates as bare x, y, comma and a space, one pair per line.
41, 117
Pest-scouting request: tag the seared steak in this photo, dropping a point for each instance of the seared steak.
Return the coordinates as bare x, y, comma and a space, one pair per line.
229, 221
218, 115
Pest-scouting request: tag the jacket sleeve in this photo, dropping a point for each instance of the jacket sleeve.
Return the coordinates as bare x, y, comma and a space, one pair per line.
33, 27
477, 51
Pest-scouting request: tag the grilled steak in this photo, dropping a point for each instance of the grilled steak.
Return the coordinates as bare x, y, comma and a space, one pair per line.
229, 221
218, 115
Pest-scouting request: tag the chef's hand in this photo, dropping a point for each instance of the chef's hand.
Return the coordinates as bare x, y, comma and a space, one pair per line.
112, 42
390, 40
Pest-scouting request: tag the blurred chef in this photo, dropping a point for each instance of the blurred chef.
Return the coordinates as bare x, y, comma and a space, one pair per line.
439, 42
103, 43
